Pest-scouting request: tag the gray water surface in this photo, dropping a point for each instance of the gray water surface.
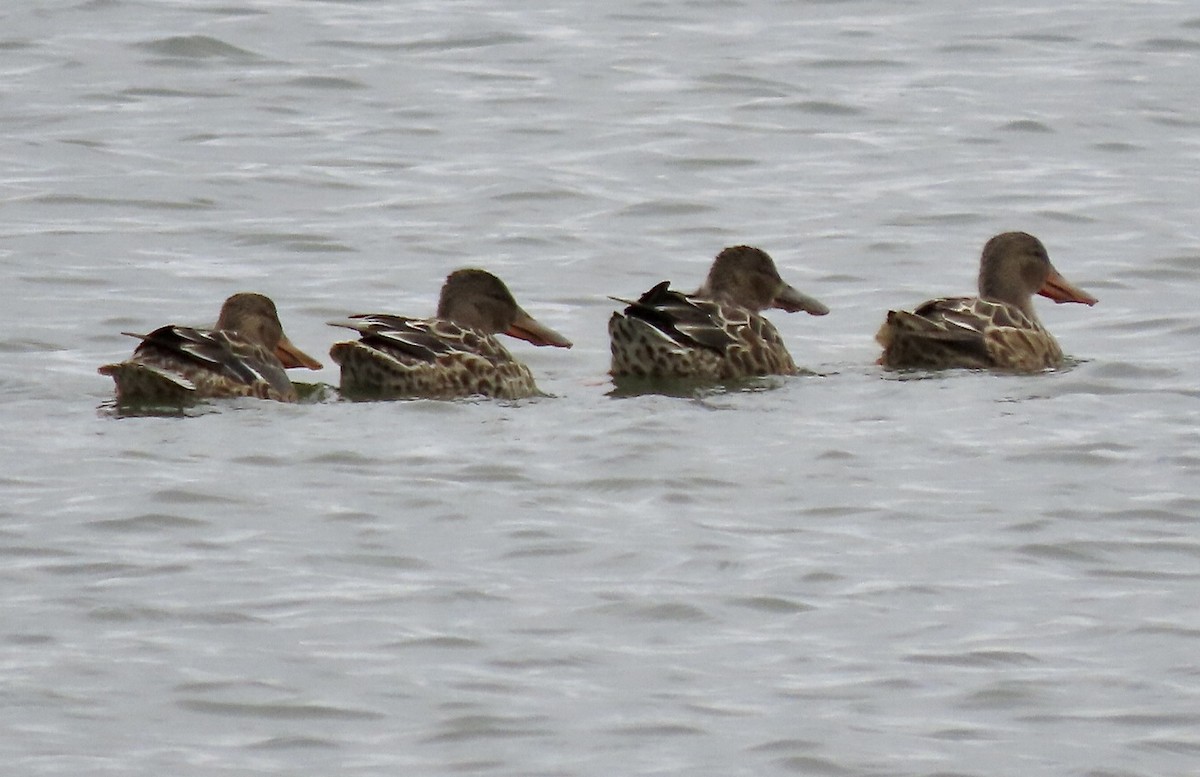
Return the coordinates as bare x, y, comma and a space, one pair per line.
849, 572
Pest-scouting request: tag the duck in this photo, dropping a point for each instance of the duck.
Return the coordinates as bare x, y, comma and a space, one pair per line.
246, 354
998, 329
714, 334
453, 355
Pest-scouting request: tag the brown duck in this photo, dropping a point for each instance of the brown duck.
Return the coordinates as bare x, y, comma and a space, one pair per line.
244, 355
451, 355
998, 329
713, 334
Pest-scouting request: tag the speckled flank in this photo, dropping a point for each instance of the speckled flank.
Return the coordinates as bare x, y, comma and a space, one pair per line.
641, 350
376, 371
177, 384
139, 382
967, 332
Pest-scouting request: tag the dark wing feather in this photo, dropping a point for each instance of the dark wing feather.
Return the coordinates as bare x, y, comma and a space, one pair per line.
689, 322
212, 349
415, 338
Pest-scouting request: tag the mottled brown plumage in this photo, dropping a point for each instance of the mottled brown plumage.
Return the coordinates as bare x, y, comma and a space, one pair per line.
449, 356
714, 334
998, 329
244, 355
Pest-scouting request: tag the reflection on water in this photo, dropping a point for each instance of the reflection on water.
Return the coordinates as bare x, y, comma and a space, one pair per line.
692, 389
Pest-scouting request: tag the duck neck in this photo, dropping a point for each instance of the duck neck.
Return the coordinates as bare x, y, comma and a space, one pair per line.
1009, 289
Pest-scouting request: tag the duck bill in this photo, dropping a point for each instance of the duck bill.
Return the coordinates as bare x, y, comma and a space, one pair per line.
528, 328
1061, 290
793, 301
291, 356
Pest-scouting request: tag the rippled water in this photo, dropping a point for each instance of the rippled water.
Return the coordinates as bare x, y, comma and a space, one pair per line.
842, 573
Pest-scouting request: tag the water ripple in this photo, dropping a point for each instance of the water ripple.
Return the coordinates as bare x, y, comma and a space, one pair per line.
278, 711
196, 47
468, 728
149, 522
850, 572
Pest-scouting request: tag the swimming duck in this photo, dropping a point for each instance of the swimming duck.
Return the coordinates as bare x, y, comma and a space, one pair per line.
449, 356
244, 355
715, 333
999, 328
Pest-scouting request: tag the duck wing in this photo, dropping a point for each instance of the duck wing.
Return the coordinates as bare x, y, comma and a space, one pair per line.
208, 362
690, 322
415, 339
